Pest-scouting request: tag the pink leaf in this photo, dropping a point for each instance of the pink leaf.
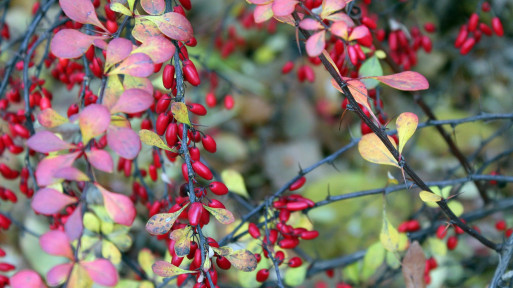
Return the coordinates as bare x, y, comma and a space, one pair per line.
48, 201
119, 207
71, 173
158, 48
124, 141
26, 279
153, 7
55, 242
406, 81
173, 25
70, 43
284, 7
359, 32
93, 121
310, 24
49, 118
138, 64
101, 271
58, 274
81, 11
339, 29
46, 141
74, 224
117, 50
357, 89
100, 160
263, 13
46, 169
260, 2
315, 44
133, 101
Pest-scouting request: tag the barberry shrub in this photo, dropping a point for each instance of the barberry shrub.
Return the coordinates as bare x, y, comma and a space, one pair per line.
127, 126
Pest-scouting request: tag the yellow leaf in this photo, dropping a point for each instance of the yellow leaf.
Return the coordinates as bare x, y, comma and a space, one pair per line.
79, 278
456, 207
389, 236
373, 259
437, 246
49, 118
243, 260
373, 150
180, 112
234, 181
120, 8
427, 196
113, 91
111, 252
146, 259
161, 223
166, 269
406, 125
224, 216
183, 241
153, 139
91, 222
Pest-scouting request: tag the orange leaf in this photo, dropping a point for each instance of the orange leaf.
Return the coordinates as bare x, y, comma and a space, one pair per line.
119, 207
359, 32
373, 150
406, 81
138, 65
158, 48
339, 29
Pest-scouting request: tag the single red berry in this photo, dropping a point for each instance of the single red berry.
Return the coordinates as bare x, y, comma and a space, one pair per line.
202, 170
287, 67
228, 102
472, 22
210, 99
262, 275
296, 206
330, 273
509, 232
186, 4
295, 262
168, 76
467, 45
190, 73
441, 231
254, 231
497, 26
162, 123
500, 225
6, 267
194, 214
431, 263
309, 235
297, 184
218, 188
429, 27
209, 144
197, 109
452, 242
223, 263
462, 36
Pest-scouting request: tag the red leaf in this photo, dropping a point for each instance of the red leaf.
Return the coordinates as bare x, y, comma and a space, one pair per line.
138, 65
339, 29
48, 201
74, 225
46, 141
93, 121
133, 101
407, 81
70, 43
124, 141
55, 242
100, 160
101, 271
284, 7
117, 50
315, 44
119, 207
173, 25
26, 279
153, 7
81, 11
158, 48
47, 168
58, 274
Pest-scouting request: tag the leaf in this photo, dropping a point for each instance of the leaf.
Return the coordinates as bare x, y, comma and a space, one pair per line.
173, 25
55, 242
48, 201
153, 7
295, 277
223, 251
427, 196
79, 278
371, 67
413, 266
145, 259
456, 207
358, 33
151, 138
315, 44
49, 118
26, 279
263, 13
58, 274
119, 207
70, 43
374, 257
120, 8
113, 91
243, 260
124, 141
340, 29
437, 246
373, 150
46, 141
161, 223
71, 174
74, 225
310, 24
166, 269
144, 28
224, 216
137, 82
117, 50
337, 17
133, 101
284, 7
357, 89
101, 271
93, 121
406, 81
389, 236
183, 241
81, 11
331, 6
158, 48
91, 222
138, 65
119, 122
46, 169
234, 181
100, 160
406, 125
180, 112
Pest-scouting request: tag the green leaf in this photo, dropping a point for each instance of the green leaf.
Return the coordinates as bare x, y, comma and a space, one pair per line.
295, 276
371, 67
234, 181
437, 246
427, 196
456, 207
111, 252
392, 260
373, 259
151, 138
391, 239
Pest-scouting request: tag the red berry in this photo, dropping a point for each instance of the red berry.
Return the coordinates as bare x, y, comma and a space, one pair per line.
6, 267
186, 4
429, 27
472, 22
500, 225
485, 29
190, 73
431, 263
467, 45
485, 7
209, 144
297, 184
369, 22
222, 263
296, 206
262, 275
197, 109
287, 67
194, 214
497, 26
452, 242
295, 262
168, 76
202, 170
228, 102
254, 231
441, 231
218, 188
210, 99
309, 235
462, 36
288, 243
